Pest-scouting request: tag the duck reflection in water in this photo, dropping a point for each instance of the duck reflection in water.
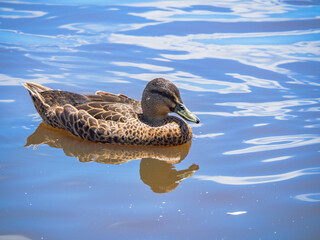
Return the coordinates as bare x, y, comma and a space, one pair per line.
156, 167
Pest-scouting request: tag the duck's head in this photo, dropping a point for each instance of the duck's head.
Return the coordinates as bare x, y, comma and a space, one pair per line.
161, 97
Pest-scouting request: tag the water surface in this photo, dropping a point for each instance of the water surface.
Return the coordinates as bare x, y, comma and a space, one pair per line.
248, 69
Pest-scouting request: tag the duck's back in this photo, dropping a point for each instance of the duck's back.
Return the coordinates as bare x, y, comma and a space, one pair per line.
60, 98
102, 105
105, 106
113, 111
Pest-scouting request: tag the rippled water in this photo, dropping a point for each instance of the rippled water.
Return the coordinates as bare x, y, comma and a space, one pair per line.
248, 69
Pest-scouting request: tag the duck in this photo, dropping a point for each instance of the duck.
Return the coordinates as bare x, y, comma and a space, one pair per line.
115, 118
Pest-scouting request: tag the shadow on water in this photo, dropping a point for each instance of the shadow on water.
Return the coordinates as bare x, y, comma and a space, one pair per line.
156, 167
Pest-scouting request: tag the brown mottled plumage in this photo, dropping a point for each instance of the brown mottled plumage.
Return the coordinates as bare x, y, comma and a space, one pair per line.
87, 151
110, 118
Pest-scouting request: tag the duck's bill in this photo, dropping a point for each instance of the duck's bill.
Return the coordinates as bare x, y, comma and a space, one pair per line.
184, 112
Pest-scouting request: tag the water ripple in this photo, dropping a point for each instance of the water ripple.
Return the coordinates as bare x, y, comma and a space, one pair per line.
279, 110
309, 197
277, 142
7, 100
150, 67
236, 213
11, 13
266, 56
14, 237
6, 80
276, 159
209, 135
257, 82
231, 180
188, 81
219, 10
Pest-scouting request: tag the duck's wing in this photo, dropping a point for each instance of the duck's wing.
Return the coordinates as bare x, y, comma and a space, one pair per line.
60, 98
50, 97
117, 112
101, 96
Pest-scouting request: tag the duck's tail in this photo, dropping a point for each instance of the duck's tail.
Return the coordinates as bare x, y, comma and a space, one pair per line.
35, 87
39, 102
34, 90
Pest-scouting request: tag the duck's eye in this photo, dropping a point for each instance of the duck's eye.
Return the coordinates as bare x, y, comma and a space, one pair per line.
182, 107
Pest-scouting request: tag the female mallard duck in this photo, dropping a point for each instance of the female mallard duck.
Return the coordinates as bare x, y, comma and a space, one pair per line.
109, 118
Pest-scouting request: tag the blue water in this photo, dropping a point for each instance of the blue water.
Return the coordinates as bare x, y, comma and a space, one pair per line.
248, 69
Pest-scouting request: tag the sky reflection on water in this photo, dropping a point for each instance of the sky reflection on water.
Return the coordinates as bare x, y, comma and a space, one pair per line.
249, 68
277, 142
259, 179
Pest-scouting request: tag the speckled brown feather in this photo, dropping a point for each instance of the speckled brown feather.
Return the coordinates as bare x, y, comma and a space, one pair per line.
117, 121
119, 98
113, 154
